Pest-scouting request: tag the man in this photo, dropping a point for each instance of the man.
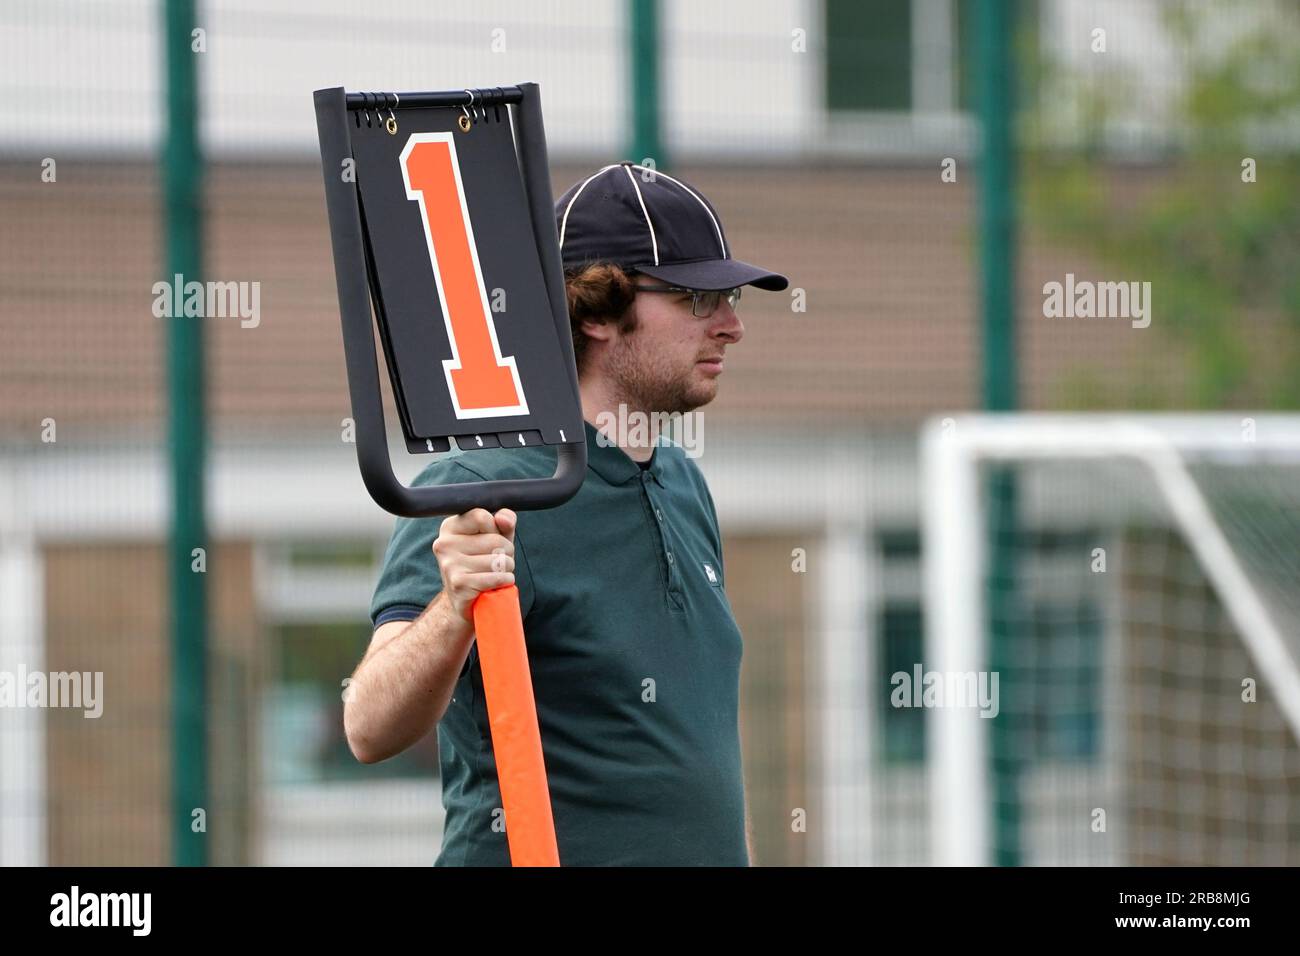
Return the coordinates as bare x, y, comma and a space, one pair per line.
635, 655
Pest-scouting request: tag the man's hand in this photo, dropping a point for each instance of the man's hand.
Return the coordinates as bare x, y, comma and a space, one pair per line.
476, 553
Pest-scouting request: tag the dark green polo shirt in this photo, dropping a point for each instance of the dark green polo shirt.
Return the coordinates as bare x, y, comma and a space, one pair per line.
635, 659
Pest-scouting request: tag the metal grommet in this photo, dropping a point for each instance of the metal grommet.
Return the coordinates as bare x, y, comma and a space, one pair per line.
466, 117
390, 124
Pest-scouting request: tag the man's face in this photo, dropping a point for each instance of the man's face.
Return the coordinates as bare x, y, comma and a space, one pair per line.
672, 360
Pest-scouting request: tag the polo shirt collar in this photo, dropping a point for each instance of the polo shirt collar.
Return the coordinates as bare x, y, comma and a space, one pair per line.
613, 464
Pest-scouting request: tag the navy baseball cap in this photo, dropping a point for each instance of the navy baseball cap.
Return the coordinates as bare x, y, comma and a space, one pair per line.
644, 220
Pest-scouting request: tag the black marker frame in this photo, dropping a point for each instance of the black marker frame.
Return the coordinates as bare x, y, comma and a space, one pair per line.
354, 278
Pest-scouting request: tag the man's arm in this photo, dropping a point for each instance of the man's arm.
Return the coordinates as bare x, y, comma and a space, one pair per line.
402, 686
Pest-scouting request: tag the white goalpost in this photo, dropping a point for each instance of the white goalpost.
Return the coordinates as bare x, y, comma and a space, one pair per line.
1153, 708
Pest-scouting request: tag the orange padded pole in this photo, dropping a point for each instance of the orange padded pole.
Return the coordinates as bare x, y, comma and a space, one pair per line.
516, 740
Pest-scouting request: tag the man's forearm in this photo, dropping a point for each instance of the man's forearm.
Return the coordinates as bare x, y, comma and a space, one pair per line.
401, 689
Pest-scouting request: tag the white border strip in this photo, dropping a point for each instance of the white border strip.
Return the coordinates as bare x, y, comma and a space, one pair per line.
716, 227
23, 774
564, 222
654, 242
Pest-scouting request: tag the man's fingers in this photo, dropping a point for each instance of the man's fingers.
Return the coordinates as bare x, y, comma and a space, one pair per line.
482, 521
506, 520
485, 563
452, 544
476, 552
475, 521
490, 582
481, 572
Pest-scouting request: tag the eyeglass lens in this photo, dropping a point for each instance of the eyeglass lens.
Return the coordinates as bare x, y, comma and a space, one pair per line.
706, 303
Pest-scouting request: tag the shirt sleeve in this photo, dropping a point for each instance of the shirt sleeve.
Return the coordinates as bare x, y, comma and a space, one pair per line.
409, 578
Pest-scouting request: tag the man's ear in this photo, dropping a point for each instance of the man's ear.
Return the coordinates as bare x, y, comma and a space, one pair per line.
600, 331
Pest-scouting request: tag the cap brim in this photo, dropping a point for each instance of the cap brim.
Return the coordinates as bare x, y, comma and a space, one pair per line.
716, 274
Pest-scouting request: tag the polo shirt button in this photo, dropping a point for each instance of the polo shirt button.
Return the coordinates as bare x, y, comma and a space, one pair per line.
659, 514
670, 557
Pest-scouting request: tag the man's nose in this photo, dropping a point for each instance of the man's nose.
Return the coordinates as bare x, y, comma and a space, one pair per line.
726, 324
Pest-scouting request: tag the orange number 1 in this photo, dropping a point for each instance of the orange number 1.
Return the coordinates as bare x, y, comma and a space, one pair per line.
481, 382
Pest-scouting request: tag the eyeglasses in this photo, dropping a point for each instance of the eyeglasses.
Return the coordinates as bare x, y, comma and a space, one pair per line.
703, 304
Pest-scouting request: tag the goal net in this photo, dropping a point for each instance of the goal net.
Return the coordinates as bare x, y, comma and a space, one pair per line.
1130, 587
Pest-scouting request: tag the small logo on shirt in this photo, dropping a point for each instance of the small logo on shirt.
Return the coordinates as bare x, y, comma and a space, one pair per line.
710, 573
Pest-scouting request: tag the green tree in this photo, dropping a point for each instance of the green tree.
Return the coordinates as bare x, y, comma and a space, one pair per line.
1222, 254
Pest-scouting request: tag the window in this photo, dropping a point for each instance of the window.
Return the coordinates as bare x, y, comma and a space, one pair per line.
906, 56
868, 55
902, 641
316, 596
1050, 699
303, 730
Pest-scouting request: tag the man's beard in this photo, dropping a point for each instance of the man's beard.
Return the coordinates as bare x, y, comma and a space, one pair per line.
646, 384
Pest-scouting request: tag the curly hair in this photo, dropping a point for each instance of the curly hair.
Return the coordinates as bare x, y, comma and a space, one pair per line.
598, 292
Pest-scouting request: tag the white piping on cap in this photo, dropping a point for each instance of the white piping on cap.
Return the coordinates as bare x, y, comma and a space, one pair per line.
654, 243
565, 221
722, 242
